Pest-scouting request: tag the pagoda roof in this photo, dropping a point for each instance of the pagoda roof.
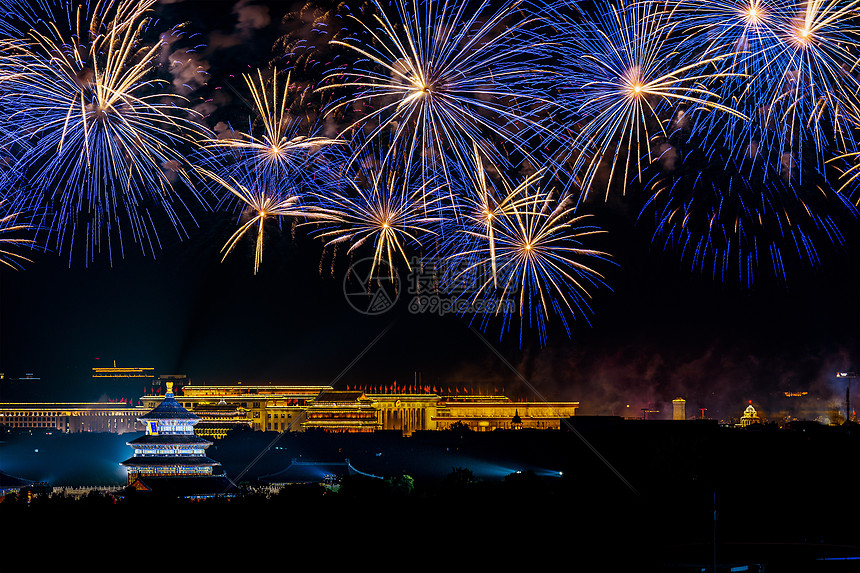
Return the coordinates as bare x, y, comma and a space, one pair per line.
169, 409
181, 439
312, 472
199, 461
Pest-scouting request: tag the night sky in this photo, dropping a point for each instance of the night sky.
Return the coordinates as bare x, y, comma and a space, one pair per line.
662, 331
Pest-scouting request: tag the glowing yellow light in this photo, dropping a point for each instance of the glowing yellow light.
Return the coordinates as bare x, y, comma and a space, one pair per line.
636, 87
803, 35
752, 14
528, 246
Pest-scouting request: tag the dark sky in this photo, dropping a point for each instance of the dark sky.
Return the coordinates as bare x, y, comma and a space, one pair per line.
661, 332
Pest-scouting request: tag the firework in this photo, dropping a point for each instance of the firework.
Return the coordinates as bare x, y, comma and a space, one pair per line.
274, 145
441, 78
9, 228
382, 202
104, 137
262, 199
533, 240
625, 75
18, 15
265, 169
850, 174
727, 225
792, 74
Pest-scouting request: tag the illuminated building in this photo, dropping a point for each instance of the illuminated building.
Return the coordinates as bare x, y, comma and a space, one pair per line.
122, 382
298, 408
72, 417
750, 417
218, 419
121, 372
679, 409
487, 413
406, 411
342, 411
170, 457
269, 408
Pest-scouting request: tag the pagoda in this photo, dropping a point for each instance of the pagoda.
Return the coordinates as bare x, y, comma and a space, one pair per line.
170, 458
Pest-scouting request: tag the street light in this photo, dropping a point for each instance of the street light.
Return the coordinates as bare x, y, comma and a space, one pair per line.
848, 376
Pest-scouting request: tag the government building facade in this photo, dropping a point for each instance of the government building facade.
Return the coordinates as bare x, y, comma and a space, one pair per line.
299, 408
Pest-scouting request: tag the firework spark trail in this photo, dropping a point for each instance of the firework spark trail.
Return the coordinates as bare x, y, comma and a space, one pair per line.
383, 201
793, 74
266, 169
262, 198
9, 228
16, 16
537, 254
725, 224
446, 77
274, 144
103, 141
850, 175
732, 193
626, 71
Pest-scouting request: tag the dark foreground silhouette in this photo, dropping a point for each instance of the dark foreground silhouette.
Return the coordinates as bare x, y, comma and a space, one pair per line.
613, 496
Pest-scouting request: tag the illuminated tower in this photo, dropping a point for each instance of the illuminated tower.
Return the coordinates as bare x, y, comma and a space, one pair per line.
171, 457
679, 409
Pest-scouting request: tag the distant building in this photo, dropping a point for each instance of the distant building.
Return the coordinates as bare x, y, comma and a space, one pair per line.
679, 409
349, 411
218, 419
72, 417
750, 417
488, 413
299, 408
277, 408
123, 382
170, 458
119, 372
